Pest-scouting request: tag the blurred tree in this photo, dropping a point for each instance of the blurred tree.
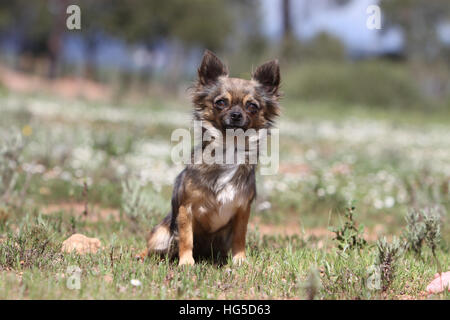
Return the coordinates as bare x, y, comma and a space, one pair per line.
39, 26
286, 18
205, 23
419, 21
290, 44
323, 47
183, 25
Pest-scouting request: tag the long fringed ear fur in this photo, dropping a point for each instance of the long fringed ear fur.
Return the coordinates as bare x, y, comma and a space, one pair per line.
268, 75
211, 68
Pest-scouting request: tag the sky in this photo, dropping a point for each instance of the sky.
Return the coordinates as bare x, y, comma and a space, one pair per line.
348, 23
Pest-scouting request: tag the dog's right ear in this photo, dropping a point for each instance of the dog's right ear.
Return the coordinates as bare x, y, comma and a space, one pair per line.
211, 68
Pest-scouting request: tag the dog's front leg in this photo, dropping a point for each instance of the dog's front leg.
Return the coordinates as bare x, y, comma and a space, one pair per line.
186, 237
239, 232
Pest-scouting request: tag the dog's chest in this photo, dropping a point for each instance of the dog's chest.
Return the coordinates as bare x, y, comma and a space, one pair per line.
230, 196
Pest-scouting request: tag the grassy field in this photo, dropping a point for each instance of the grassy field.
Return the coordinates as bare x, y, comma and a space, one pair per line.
59, 158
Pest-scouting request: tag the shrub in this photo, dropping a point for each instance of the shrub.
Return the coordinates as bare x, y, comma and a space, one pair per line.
142, 204
11, 147
374, 83
423, 226
415, 232
349, 236
32, 246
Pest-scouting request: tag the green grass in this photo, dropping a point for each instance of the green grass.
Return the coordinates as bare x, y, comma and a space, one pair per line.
387, 161
277, 268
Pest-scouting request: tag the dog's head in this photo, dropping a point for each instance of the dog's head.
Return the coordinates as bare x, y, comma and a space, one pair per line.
232, 103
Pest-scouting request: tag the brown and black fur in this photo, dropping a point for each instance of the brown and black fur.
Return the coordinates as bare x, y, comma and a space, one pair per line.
211, 203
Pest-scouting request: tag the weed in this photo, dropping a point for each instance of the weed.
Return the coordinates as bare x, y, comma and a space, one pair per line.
432, 221
11, 148
349, 236
32, 246
415, 232
134, 202
313, 284
388, 254
142, 205
423, 227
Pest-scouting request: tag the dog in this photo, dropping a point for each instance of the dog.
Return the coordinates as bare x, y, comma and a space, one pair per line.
211, 202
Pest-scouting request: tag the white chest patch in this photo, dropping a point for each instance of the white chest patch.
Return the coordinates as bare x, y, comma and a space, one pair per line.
228, 198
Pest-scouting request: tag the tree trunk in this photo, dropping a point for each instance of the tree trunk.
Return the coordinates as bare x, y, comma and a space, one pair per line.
286, 18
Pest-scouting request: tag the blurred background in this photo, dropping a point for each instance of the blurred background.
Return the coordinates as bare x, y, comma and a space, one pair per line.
152, 47
365, 113
86, 118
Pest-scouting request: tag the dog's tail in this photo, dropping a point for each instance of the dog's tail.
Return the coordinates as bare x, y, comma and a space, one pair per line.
160, 239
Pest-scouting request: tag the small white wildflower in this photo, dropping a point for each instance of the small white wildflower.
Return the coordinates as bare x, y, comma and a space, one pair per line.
389, 202
311, 155
402, 196
321, 192
136, 283
67, 176
265, 205
331, 189
378, 204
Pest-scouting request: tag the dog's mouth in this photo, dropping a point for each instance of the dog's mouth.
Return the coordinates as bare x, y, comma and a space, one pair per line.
227, 124
235, 126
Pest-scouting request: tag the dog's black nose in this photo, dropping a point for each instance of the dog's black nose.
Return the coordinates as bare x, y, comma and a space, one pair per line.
236, 116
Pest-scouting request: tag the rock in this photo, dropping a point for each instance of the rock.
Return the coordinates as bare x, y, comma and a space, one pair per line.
440, 282
81, 244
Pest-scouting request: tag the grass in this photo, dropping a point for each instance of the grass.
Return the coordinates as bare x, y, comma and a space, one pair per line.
85, 154
278, 267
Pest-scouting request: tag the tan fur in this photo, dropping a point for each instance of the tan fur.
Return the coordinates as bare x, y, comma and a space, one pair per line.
186, 236
239, 232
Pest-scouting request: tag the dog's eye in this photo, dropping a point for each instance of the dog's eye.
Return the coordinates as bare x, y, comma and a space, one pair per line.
222, 103
252, 107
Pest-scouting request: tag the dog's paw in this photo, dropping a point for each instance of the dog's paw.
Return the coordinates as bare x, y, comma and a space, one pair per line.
239, 259
186, 261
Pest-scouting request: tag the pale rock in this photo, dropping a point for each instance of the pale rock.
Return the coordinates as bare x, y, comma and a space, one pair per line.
81, 244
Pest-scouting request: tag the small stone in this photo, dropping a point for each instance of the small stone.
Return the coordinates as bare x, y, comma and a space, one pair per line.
81, 244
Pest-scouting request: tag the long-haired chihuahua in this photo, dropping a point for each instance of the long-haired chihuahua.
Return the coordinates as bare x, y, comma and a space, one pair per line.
211, 201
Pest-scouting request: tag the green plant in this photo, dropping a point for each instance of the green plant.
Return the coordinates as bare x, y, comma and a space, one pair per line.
313, 284
134, 201
432, 221
422, 226
32, 246
388, 254
375, 83
11, 147
415, 232
349, 235
142, 204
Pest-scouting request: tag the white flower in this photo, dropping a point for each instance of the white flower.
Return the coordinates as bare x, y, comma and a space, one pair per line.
136, 283
320, 192
311, 155
331, 189
389, 202
264, 206
378, 204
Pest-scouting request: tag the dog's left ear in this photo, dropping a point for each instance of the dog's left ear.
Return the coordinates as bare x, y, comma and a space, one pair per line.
268, 75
